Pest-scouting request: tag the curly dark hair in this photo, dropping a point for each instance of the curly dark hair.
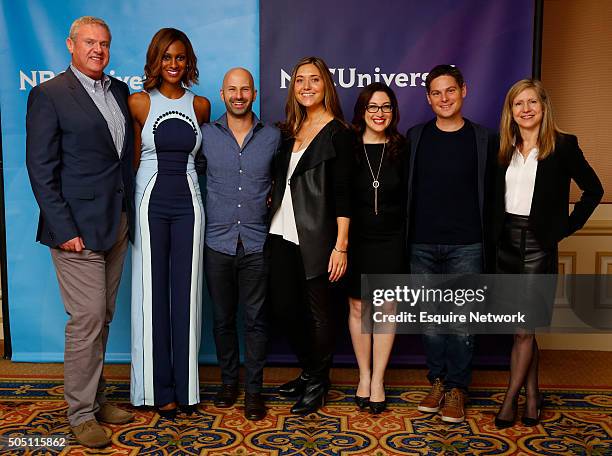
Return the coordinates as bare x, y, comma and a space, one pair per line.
396, 141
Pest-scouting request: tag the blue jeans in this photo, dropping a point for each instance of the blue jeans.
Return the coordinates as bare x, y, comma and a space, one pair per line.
449, 356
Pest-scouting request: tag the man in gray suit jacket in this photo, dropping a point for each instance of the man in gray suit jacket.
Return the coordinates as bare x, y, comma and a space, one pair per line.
79, 153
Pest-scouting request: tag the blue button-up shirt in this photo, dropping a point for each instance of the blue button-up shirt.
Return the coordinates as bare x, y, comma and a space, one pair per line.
238, 181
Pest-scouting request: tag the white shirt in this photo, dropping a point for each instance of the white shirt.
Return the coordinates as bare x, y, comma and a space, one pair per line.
283, 222
520, 182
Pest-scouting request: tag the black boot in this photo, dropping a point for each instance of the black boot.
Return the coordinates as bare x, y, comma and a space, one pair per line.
254, 406
295, 387
313, 398
226, 396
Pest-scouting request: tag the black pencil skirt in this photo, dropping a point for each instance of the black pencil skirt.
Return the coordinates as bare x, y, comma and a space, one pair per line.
519, 252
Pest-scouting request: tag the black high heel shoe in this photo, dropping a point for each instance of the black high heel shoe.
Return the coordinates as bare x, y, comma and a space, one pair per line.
530, 422
362, 402
168, 414
378, 407
501, 423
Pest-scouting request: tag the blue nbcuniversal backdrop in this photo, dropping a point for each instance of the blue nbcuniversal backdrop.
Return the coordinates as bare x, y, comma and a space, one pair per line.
32, 48
396, 41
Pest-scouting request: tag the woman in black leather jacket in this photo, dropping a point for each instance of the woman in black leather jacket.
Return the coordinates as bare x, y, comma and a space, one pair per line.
309, 229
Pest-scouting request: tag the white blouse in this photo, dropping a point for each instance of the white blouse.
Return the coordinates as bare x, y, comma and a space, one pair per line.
283, 222
520, 182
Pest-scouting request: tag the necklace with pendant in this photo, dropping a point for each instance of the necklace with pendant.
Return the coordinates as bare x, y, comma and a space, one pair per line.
375, 181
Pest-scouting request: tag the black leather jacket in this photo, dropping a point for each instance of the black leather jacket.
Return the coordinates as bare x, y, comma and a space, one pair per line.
320, 192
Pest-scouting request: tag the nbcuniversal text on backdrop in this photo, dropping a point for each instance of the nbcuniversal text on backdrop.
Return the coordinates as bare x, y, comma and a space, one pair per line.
349, 77
343, 77
34, 77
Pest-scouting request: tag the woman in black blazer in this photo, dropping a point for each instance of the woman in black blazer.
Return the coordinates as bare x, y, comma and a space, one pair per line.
536, 163
308, 240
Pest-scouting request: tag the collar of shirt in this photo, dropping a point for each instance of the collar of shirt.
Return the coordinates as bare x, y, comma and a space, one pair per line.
519, 159
92, 84
222, 122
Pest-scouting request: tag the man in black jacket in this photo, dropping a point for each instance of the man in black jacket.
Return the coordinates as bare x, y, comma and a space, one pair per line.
448, 164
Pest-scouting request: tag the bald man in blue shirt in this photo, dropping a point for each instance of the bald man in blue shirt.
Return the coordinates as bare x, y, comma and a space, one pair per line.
238, 150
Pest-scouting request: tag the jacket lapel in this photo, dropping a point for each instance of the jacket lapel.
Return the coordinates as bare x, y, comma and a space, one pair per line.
91, 110
286, 158
481, 156
281, 166
414, 138
500, 190
319, 150
542, 179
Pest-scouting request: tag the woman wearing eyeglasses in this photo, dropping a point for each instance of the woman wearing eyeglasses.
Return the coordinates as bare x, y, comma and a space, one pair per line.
377, 229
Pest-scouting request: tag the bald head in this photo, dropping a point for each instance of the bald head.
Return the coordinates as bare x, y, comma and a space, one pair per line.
238, 74
238, 92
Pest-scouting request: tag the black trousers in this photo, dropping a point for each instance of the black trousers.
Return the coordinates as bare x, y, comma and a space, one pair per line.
233, 280
301, 308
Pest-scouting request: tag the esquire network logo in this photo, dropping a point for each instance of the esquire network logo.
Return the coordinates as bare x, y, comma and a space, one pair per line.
35, 77
349, 77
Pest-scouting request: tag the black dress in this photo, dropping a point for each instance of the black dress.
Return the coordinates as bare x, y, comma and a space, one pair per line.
377, 241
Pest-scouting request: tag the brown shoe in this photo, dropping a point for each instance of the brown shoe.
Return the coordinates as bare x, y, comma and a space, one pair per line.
113, 415
91, 434
454, 406
431, 403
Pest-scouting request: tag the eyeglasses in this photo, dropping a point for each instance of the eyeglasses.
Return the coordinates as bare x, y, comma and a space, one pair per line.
386, 108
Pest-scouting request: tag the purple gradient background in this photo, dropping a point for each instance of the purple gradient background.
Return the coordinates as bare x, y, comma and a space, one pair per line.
490, 41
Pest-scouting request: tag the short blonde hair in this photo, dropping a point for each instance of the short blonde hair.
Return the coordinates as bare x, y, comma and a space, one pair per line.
86, 20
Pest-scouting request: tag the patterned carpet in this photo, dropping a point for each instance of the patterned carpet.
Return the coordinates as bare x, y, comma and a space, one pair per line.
576, 421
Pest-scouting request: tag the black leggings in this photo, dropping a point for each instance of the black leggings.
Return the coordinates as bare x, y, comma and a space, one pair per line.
301, 308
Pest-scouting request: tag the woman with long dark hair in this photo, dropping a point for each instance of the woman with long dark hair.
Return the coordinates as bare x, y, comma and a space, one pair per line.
309, 230
168, 246
536, 164
377, 235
